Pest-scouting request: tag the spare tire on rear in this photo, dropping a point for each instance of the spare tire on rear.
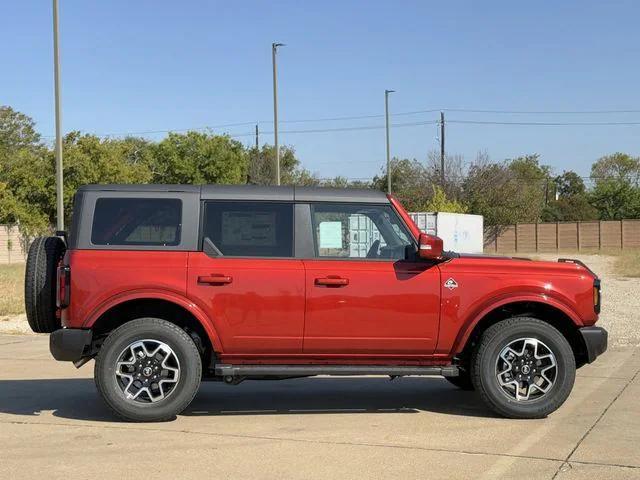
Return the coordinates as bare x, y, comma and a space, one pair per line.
40, 283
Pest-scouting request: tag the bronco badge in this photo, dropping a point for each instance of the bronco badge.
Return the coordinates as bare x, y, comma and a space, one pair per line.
451, 284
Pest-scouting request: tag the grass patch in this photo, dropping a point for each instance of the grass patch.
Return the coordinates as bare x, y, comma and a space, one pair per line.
628, 263
11, 289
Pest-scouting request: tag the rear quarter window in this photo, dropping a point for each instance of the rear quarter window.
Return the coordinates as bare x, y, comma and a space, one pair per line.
137, 221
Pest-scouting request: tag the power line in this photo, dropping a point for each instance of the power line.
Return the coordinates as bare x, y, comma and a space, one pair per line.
374, 127
549, 124
465, 110
151, 132
542, 112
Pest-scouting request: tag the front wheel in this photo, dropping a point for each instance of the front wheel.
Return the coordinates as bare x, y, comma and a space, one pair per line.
523, 368
148, 370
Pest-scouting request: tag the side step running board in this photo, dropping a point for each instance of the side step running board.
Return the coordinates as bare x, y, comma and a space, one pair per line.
233, 371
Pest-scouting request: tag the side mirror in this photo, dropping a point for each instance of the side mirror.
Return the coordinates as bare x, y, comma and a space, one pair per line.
429, 247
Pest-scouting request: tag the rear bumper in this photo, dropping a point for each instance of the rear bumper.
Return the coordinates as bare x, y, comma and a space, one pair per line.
595, 340
70, 344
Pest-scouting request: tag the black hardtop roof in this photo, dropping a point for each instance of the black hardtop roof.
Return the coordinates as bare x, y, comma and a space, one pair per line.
253, 192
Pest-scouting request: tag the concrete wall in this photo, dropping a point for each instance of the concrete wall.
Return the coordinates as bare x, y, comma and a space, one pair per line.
548, 237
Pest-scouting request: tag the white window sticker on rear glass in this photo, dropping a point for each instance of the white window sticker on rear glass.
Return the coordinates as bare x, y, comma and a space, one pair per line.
331, 235
249, 228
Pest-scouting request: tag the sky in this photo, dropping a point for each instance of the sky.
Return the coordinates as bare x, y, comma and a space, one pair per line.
152, 66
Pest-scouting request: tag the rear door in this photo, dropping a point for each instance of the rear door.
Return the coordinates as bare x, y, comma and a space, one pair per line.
246, 279
363, 296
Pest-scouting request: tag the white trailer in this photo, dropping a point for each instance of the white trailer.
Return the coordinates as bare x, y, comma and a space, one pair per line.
460, 232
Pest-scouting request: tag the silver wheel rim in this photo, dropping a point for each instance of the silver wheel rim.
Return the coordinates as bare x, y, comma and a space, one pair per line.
147, 371
526, 369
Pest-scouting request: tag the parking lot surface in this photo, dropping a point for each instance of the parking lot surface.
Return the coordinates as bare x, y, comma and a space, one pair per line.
54, 425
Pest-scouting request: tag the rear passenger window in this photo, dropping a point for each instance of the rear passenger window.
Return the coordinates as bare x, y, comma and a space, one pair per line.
250, 229
137, 221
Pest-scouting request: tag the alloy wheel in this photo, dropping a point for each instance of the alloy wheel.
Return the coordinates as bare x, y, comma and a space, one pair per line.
526, 369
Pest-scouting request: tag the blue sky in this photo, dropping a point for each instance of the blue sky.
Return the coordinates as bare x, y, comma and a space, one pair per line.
132, 66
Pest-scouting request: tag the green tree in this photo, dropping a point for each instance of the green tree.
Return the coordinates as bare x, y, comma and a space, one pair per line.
17, 131
507, 192
199, 158
262, 167
87, 160
616, 193
535, 184
410, 183
20, 149
343, 182
569, 184
572, 203
440, 203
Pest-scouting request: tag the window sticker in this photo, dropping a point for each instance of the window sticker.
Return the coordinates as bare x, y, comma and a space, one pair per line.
331, 235
249, 229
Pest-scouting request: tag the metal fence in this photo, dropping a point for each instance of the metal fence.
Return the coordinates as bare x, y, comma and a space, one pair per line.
549, 237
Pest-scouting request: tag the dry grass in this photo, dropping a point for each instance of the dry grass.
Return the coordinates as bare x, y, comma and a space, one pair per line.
11, 289
628, 264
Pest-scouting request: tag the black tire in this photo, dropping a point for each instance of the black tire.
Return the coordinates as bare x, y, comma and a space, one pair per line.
483, 367
40, 283
185, 389
462, 381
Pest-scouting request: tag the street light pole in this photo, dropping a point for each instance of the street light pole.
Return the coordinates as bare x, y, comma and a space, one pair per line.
58, 149
442, 155
386, 114
274, 49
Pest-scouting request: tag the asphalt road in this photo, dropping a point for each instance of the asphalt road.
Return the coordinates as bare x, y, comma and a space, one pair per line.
54, 425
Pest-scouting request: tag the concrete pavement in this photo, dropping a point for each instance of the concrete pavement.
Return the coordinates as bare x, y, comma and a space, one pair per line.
53, 424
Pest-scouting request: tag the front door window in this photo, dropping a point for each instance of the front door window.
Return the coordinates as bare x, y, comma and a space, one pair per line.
359, 231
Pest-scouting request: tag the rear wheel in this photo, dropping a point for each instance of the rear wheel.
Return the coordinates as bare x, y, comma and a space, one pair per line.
148, 370
523, 368
40, 283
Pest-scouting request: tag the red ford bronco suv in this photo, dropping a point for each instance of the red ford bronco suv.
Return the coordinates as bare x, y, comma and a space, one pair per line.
168, 285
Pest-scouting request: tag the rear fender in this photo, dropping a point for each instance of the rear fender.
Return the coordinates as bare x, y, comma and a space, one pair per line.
158, 295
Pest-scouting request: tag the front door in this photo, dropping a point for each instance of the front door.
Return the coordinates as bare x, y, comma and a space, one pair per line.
246, 279
363, 297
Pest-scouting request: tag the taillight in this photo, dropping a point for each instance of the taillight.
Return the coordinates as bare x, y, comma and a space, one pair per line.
596, 295
63, 290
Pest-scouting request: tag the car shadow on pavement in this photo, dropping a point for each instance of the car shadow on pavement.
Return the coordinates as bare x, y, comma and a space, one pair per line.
78, 399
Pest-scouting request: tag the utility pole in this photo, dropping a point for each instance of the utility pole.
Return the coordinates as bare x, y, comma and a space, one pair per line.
257, 138
274, 48
386, 115
442, 148
58, 149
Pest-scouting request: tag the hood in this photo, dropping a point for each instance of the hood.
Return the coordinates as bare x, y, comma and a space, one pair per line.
523, 265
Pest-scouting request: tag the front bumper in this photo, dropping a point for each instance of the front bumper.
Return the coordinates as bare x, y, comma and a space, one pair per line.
70, 344
595, 340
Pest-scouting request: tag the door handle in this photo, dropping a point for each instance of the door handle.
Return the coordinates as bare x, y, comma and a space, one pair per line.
332, 281
215, 279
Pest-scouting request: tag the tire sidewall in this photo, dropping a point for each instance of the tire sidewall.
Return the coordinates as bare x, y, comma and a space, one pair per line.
40, 283
153, 329
488, 382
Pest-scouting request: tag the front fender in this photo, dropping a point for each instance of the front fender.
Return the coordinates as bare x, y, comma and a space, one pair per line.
456, 326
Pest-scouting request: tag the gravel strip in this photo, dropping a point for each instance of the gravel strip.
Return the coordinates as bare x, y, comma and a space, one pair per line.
620, 298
